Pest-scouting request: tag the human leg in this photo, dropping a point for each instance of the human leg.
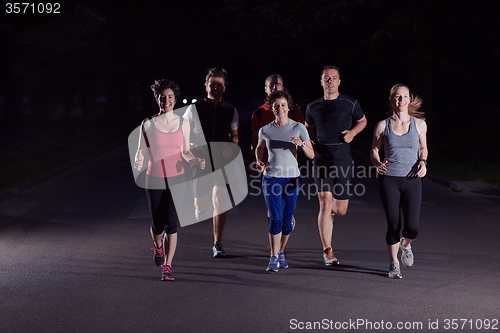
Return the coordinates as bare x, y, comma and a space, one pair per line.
156, 202
332, 171
281, 253
393, 251
170, 247
326, 227
275, 243
171, 232
202, 189
157, 239
289, 196
219, 223
274, 196
170, 244
343, 165
289, 202
219, 198
411, 203
325, 223
201, 203
272, 188
339, 207
390, 196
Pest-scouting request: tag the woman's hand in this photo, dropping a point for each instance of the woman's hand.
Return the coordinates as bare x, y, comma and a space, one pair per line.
200, 163
421, 169
297, 141
260, 165
382, 167
138, 165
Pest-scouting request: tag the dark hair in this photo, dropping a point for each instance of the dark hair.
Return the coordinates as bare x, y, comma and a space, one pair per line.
281, 94
273, 76
160, 85
217, 72
330, 67
415, 102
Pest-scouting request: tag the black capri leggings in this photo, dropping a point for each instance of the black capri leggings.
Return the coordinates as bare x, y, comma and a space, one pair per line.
161, 205
401, 198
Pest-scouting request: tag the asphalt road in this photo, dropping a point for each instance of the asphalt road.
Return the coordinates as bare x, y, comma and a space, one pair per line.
75, 257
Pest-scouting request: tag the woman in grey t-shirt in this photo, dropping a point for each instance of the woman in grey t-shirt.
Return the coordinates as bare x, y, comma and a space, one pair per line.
403, 137
282, 138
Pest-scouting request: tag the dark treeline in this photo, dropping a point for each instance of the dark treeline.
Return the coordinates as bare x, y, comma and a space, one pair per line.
99, 58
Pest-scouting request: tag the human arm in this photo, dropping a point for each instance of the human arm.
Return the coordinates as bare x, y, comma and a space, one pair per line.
307, 149
255, 135
142, 146
358, 127
422, 149
235, 136
259, 152
228, 151
378, 136
235, 124
254, 127
302, 140
185, 149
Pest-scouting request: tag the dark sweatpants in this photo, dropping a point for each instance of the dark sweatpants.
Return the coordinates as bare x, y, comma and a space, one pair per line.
401, 198
161, 204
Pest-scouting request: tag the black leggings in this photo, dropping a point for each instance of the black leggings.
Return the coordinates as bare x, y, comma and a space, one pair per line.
161, 204
401, 196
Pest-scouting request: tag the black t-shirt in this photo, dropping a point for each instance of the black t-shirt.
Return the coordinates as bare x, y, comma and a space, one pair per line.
215, 120
331, 117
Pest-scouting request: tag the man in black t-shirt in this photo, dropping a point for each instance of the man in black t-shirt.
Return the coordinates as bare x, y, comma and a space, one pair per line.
213, 120
329, 120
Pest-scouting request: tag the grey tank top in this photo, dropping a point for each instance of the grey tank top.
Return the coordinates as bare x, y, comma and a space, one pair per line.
401, 151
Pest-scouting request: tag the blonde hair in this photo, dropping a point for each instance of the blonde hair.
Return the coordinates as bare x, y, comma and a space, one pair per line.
415, 102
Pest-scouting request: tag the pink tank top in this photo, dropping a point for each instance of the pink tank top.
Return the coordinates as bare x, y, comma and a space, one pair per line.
165, 159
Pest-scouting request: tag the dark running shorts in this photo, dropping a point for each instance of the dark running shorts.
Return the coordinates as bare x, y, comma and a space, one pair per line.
332, 170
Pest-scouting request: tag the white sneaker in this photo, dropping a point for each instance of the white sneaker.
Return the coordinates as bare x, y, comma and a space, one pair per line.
406, 254
202, 215
329, 258
394, 270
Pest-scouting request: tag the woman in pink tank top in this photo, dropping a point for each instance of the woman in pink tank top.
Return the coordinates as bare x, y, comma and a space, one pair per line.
166, 138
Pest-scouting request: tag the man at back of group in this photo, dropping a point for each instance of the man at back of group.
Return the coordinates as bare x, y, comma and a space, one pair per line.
330, 120
213, 120
264, 115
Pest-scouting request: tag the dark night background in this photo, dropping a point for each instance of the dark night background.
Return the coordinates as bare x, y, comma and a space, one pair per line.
76, 83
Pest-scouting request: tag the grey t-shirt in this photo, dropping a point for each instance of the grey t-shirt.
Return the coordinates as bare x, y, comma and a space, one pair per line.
282, 162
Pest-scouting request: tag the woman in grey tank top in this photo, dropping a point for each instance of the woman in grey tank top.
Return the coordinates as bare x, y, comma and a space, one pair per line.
403, 138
